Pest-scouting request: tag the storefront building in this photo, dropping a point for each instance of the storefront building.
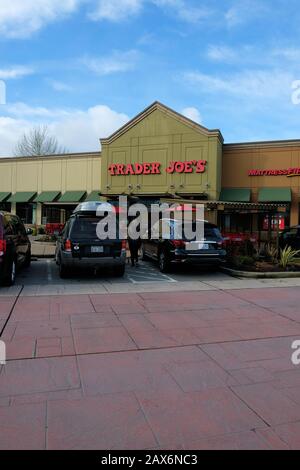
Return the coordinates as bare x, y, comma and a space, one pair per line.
162, 156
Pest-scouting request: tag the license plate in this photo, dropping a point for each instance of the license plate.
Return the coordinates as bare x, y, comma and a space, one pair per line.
97, 249
194, 246
205, 246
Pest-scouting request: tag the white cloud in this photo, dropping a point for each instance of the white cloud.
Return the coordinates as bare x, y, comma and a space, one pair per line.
21, 18
184, 10
115, 10
77, 130
10, 131
22, 110
291, 54
59, 86
15, 72
119, 10
117, 62
243, 11
221, 53
249, 84
193, 114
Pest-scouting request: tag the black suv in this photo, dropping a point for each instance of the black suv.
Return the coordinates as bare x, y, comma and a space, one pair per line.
290, 237
169, 249
79, 246
15, 247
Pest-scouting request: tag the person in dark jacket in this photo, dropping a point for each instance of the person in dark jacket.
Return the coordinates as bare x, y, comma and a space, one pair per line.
134, 246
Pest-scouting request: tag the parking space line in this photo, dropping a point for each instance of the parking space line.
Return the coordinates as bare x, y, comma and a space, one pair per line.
139, 279
49, 270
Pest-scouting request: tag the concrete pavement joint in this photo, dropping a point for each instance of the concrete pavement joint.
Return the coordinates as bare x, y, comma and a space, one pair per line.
159, 348
11, 311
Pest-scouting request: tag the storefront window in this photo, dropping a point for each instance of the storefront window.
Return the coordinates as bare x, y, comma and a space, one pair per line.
25, 212
236, 223
273, 222
50, 215
5, 206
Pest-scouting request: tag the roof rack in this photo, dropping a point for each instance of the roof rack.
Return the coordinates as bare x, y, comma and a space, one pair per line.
93, 207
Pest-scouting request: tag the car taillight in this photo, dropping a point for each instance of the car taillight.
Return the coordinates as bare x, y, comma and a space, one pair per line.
178, 244
68, 245
124, 244
2, 247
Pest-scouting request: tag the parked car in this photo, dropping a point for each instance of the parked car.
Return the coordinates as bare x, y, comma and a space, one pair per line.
171, 249
15, 247
290, 237
78, 245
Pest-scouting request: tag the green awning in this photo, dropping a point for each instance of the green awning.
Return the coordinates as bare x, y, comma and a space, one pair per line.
275, 195
47, 196
22, 197
72, 196
4, 196
94, 196
235, 195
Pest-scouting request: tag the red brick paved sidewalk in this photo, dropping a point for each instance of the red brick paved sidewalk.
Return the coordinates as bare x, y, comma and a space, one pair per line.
190, 370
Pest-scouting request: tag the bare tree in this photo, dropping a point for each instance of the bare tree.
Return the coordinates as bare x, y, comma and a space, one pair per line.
38, 142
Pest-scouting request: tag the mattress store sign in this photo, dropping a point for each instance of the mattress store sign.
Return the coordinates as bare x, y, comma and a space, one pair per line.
287, 172
154, 168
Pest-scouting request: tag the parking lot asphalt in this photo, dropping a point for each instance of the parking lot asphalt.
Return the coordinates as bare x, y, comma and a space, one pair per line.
192, 360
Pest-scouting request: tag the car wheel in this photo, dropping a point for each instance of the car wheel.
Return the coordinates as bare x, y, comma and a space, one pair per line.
10, 277
163, 262
119, 271
27, 261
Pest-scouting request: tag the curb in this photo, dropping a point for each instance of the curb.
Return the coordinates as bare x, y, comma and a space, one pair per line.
249, 275
36, 257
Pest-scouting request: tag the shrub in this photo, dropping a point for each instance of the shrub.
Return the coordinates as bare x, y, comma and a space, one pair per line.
287, 256
272, 253
236, 249
240, 261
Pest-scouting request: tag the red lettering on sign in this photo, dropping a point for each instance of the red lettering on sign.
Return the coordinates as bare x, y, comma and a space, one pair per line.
188, 167
201, 164
129, 170
147, 169
154, 168
120, 169
111, 169
139, 169
286, 172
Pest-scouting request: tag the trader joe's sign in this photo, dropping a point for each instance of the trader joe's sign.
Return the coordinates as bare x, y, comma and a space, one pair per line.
154, 168
287, 172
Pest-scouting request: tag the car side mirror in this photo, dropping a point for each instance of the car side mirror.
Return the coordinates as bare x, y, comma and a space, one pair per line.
29, 231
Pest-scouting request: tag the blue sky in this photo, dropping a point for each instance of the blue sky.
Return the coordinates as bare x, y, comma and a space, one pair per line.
84, 67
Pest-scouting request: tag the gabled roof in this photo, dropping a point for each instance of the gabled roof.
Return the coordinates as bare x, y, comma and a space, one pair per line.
170, 112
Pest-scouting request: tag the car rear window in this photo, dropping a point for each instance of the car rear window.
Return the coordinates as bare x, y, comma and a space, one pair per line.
85, 228
211, 232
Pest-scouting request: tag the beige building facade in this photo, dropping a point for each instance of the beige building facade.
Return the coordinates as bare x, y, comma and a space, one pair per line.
27, 182
162, 155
